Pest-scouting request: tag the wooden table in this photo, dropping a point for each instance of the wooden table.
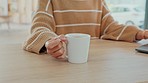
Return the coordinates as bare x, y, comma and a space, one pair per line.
109, 62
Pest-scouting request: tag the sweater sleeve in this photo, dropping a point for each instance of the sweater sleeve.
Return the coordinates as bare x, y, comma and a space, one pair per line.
110, 29
42, 29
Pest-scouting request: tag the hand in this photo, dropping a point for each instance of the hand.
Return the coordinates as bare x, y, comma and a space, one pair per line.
56, 47
146, 34
142, 35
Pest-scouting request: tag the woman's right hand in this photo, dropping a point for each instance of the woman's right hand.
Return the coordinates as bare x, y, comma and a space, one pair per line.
56, 47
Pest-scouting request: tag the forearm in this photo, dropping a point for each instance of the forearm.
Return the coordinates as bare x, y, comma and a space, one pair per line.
37, 40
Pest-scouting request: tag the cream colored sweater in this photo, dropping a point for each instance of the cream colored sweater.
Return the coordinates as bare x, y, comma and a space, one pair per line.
55, 17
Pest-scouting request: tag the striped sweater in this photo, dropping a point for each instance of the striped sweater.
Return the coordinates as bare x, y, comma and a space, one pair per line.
55, 17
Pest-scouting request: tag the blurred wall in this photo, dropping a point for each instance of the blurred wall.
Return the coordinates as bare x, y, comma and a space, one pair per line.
135, 2
21, 10
24, 10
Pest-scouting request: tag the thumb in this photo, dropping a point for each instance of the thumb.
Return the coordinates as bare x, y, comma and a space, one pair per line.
63, 38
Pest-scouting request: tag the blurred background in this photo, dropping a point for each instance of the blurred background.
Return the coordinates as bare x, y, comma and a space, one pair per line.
19, 11
15, 20
124, 11
15, 15
129, 12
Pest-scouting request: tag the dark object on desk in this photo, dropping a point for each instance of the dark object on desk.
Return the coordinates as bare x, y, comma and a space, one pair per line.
143, 49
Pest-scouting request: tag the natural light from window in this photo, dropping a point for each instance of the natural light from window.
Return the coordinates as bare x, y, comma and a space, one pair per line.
129, 12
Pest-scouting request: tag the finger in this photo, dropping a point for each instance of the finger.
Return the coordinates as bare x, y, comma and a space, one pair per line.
56, 48
52, 43
58, 53
63, 38
64, 56
146, 34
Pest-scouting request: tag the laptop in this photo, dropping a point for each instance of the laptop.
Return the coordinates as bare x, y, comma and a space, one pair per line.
143, 48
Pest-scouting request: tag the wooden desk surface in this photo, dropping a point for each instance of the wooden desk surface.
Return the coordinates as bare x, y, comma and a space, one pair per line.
109, 62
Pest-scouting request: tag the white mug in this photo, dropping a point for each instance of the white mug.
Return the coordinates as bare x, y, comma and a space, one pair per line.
78, 47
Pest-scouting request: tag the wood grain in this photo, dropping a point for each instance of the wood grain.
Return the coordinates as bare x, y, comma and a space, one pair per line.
109, 62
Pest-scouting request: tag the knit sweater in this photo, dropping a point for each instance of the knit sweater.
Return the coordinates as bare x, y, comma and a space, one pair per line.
55, 17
